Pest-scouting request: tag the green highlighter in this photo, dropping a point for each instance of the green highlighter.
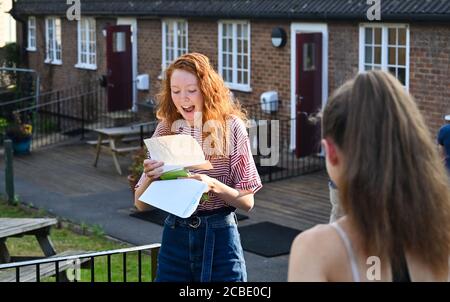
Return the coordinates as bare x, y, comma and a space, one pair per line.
181, 173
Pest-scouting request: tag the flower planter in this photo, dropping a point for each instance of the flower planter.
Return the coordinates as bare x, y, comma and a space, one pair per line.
22, 147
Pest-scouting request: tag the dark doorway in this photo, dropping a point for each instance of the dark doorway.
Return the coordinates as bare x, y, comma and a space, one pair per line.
119, 67
308, 92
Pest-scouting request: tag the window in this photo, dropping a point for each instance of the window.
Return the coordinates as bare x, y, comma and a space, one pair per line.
309, 57
87, 57
53, 40
234, 54
385, 47
31, 34
175, 40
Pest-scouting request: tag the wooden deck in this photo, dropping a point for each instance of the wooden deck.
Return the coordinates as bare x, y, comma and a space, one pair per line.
299, 202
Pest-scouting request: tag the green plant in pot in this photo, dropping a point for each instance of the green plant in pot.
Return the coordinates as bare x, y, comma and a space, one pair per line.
20, 134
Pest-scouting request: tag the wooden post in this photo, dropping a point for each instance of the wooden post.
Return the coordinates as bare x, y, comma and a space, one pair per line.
9, 172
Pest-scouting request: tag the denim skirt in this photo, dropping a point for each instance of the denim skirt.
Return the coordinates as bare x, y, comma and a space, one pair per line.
201, 249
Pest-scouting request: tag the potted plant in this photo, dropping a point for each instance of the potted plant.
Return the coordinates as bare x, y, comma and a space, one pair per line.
20, 134
137, 167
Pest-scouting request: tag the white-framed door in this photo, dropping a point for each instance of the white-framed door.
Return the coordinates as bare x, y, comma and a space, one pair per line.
298, 28
134, 53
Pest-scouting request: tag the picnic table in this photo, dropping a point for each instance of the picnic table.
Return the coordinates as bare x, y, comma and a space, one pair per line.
39, 227
115, 135
18, 227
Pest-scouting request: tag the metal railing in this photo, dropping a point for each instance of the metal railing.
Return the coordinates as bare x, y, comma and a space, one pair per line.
288, 164
145, 250
71, 114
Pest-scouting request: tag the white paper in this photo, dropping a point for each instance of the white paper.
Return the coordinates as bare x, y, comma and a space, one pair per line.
178, 196
176, 151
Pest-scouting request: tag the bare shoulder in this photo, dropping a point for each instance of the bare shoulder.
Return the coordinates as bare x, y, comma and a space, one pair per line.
312, 254
318, 237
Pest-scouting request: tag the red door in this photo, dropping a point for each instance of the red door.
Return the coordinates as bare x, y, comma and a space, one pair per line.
119, 62
308, 92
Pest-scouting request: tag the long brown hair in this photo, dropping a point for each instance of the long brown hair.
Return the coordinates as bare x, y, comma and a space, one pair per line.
395, 188
218, 103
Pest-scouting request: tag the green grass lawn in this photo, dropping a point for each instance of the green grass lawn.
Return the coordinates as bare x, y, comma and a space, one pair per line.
65, 239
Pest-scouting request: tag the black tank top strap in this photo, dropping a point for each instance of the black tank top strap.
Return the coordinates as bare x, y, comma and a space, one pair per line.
400, 272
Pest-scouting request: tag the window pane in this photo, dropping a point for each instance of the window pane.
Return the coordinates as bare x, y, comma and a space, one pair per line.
401, 56
224, 45
377, 35
368, 35
167, 56
368, 54
239, 80
309, 60
224, 30
392, 70
377, 58
92, 49
392, 36
391, 56
402, 36
119, 42
367, 67
402, 75
82, 34
245, 79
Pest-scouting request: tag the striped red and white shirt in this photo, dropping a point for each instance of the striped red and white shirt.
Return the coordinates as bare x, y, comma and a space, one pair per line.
237, 169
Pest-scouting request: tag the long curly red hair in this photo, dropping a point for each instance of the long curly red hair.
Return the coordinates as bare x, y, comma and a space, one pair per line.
219, 105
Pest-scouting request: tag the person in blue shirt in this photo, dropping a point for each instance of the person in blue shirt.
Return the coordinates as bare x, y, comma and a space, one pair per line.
444, 142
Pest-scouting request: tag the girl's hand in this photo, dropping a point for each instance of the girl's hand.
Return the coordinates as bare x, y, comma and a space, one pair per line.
204, 178
153, 168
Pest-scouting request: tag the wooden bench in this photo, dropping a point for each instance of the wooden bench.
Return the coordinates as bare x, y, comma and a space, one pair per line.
28, 273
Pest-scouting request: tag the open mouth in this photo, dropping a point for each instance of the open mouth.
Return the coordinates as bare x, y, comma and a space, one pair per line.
188, 108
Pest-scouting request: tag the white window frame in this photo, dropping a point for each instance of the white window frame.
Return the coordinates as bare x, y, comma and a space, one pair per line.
56, 41
31, 34
83, 24
384, 46
176, 48
234, 83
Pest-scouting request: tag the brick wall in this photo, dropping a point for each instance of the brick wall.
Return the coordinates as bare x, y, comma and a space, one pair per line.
430, 71
203, 38
66, 75
270, 67
429, 65
343, 53
149, 54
